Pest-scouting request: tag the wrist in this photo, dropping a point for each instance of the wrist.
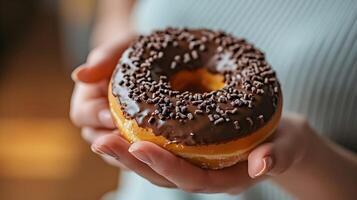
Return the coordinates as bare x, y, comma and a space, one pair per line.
300, 178
308, 152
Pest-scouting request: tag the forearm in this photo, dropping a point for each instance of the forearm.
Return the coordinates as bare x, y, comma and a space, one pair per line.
113, 21
326, 172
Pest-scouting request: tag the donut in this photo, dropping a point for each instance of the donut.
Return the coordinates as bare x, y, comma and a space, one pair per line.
204, 95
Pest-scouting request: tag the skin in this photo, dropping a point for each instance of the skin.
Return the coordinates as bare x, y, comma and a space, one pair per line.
296, 157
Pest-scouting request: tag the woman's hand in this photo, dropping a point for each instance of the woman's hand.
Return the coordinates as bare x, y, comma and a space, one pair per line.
90, 111
296, 156
89, 104
286, 148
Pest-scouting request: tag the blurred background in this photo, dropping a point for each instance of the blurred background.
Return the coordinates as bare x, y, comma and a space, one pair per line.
42, 155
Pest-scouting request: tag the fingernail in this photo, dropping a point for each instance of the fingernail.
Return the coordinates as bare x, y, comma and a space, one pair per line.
105, 117
134, 150
102, 150
75, 73
266, 166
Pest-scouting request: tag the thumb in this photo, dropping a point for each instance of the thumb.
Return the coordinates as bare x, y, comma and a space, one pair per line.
274, 157
100, 62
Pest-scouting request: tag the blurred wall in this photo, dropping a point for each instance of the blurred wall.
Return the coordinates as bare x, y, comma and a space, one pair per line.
15, 19
76, 17
42, 155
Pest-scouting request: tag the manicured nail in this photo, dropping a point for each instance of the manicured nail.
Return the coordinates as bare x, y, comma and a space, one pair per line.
266, 167
134, 150
75, 73
102, 150
105, 117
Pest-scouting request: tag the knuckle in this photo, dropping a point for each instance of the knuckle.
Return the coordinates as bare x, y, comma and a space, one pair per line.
95, 53
75, 117
92, 54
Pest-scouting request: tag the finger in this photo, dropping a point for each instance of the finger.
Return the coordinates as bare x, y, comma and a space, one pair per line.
90, 134
90, 91
277, 156
235, 178
189, 177
100, 62
116, 146
113, 162
260, 160
94, 113
89, 106
271, 158
183, 174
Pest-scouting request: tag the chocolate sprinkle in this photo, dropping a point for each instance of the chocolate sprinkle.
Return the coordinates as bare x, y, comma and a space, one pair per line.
151, 120
141, 84
218, 121
236, 125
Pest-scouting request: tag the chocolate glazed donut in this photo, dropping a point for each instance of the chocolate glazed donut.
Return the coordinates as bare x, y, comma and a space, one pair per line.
204, 95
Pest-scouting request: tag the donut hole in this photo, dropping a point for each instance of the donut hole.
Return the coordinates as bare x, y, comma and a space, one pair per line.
196, 81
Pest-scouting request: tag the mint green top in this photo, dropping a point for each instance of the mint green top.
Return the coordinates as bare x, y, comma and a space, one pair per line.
312, 44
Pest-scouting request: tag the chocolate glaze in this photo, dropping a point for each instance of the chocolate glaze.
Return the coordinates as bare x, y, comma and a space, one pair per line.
246, 102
